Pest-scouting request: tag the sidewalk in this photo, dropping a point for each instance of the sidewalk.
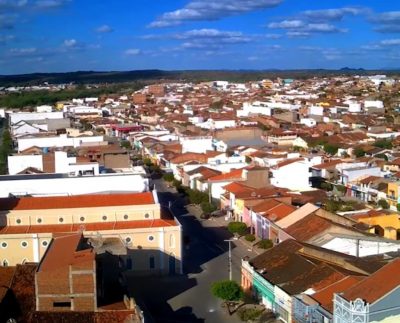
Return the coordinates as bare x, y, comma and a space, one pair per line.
221, 222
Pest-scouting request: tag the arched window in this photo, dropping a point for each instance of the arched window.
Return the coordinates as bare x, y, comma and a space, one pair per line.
5, 263
172, 241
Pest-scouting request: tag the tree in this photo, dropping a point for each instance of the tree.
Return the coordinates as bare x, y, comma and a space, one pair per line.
398, 207
237, 227
359, 152
265, 244
332, 206
383, 204
331, 149
207, 207
147, 162
126, 144
168, 177
384, 144
250, 237
227, 290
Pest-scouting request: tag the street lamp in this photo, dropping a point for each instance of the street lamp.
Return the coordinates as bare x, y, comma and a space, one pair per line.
230, 256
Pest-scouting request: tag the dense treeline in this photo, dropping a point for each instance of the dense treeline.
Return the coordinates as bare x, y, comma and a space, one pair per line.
35, 98
90, 77
6, 147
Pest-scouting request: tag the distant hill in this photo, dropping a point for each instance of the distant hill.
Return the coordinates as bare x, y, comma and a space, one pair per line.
92, 77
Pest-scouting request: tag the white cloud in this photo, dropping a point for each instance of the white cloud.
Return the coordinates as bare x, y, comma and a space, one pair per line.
390, 42
333, 14
104, 29
70, 43
207, 10
132, 52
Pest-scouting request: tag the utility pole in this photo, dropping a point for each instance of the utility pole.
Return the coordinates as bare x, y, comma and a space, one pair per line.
230, 257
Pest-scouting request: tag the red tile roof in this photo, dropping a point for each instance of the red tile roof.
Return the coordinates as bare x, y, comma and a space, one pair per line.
96, 226
64, 252
233, 175
287, 162
377, 285
76, 201
325, 296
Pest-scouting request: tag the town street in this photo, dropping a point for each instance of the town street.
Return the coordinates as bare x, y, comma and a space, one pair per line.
187, 298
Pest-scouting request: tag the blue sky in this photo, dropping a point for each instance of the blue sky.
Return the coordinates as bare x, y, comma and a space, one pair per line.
70, 35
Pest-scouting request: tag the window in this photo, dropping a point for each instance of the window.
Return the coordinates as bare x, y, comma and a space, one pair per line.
44, 243
4, 245
39, 220
172, 241
18, 221
126, 217
61, 220
24, 244
104, 218
151, 238
129, 263
147, 215
152, 263
128, 239
5, 263
62, 304
82, 219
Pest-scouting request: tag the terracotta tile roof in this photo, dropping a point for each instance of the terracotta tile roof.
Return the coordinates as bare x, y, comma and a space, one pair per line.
76, 201
6, 278
265, 205
64, 251
237, 188
95, 226
308, 227
326, 165
325, 296
287, 162
279, 212
187, 157
233, 175
370, 179
377, 285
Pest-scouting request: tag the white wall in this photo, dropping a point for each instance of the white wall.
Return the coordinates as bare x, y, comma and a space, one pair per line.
18, 163
294, 176
60, 141
16, 117
74, 185
196, 145
366, 248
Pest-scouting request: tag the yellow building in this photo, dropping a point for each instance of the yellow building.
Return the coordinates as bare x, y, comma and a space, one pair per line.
386, 225
134, 226
393, 194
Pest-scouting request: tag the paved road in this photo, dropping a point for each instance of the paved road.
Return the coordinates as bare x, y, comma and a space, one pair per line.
187, 298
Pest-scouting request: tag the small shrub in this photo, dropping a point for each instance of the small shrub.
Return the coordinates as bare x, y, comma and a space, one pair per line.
207, 207
249, 314
383, 204
398, 207
250, 237
237, 227
168, 177
265, 244
227, 290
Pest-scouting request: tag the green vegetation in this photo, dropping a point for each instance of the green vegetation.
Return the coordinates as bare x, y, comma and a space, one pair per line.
197, 197
384, 143
334, 206
249, 314
207, 207
237, 227
250, 237
227, 290
326, 186
383, 204
5, 149
168, 177
126, 144
398, 207
265, 244
34, 98
382, 156
341, 188
359, 152
331, 149
147, 162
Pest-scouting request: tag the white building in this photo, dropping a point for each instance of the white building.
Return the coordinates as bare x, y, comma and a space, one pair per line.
56, 141
196, 144
61, 184
15, 117
292, 174
256, 107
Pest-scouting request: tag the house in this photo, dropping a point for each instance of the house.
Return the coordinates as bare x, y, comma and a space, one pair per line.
128, 221
276, 276
373, 299
292, 174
